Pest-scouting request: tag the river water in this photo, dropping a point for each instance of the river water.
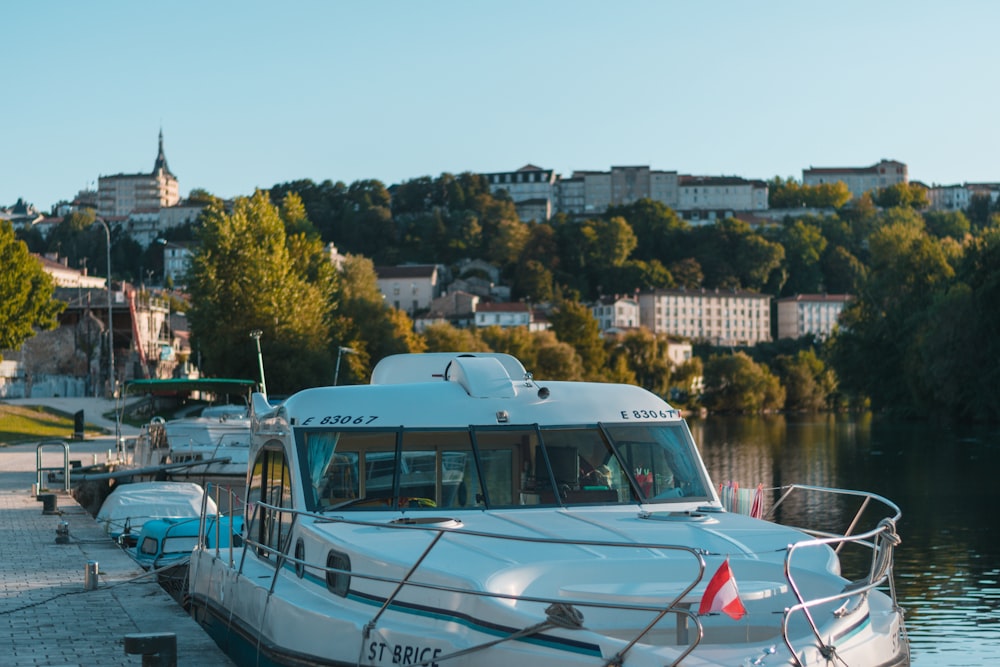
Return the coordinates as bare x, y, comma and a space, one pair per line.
947, 484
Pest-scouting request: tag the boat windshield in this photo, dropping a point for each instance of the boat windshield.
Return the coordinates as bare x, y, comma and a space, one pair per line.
500, 467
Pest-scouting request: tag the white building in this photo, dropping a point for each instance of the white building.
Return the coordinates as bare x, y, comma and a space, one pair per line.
63, 276
176, 260
120, 194
809, 314
585, 193
507, 315
948, 197
531, 188
679, 353
616, 313
707, 198
720, 316
410, 288
859, 180
589, 193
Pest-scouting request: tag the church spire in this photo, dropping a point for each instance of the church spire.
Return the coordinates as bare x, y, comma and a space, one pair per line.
161, 159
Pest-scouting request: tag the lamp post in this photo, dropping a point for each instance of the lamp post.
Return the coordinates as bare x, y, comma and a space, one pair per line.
255, 334
111, 328
340, 351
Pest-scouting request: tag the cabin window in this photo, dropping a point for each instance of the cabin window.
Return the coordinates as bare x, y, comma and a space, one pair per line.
498, 467
660, 460
582, 467
270, 483
438, 469
149, 546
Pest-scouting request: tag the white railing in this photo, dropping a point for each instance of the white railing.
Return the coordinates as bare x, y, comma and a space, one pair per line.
881, 540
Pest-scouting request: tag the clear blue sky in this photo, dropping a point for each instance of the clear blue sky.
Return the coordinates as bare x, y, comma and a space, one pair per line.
250, 94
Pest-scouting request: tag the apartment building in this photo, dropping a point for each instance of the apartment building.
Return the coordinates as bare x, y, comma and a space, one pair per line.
809, 314
948, 197
588, 193
708, 198
859, 180
176, 260
719, 316
120, 194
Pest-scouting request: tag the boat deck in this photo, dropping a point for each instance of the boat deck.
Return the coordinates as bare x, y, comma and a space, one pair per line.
47, 614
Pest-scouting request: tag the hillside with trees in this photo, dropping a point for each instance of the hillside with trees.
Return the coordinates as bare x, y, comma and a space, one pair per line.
918, 334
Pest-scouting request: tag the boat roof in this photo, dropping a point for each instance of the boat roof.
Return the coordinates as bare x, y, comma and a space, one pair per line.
184, 386
444, 390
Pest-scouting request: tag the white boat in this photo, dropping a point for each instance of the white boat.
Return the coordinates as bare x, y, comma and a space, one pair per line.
129, 506
456, 511
210, 448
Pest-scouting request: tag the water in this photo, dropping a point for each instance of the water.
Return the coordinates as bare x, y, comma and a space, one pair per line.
947, 483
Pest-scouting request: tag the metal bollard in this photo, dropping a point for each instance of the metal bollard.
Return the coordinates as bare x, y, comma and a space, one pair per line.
158, 649
62, 533
49, 503
90, 576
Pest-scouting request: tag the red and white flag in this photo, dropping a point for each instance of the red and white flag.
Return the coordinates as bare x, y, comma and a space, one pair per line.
722, 595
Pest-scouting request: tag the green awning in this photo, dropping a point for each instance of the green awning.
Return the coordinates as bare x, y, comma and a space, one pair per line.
183, 386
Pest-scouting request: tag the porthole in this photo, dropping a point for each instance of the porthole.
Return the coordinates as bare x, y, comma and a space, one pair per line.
338, 579
300, 556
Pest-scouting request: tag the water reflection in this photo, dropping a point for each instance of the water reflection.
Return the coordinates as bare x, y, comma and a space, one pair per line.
945, 481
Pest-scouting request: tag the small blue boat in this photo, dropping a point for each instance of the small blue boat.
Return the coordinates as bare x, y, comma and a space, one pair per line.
169, 541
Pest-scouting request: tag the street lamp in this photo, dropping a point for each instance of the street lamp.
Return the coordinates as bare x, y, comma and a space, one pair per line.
255, 334
111, 329
340, 351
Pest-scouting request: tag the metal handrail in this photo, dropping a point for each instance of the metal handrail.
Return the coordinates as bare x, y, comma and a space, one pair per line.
881, 540
283, 556
65, 466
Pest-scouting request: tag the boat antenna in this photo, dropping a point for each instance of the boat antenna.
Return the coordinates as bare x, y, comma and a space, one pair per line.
256, 334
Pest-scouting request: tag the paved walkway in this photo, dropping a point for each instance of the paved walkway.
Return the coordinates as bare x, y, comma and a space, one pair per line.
47, 618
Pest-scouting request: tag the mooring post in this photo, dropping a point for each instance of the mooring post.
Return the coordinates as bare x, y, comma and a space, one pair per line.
158, 649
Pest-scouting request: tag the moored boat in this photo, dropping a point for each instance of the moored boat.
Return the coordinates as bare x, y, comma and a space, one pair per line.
209, 447
457, 511
129, 506
169, 541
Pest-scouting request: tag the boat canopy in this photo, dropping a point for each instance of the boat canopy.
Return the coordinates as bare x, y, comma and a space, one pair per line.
185, 386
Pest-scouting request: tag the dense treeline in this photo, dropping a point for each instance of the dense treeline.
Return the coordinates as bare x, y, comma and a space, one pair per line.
919, 335
906, 269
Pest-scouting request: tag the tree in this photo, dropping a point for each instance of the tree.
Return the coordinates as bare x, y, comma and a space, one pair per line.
732, 255
947, 223
555, 360
908, 195
533, 281
790, 193
978, 211
363, 322
574, 324
687, 273
25, 293
807, 381
444, 337
875, 352
647, 359
735, 383
657, 229
242, 278
293, 213
804, 246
